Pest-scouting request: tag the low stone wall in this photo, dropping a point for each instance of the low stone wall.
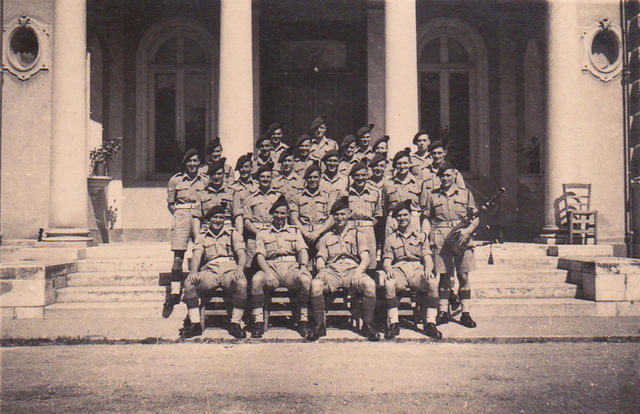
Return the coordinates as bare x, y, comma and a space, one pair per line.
26, 288
604, 279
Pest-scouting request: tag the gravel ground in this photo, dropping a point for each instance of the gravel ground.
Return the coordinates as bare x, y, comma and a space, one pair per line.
323, 377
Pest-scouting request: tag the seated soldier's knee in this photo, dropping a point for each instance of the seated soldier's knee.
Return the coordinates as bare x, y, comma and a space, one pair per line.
241, 284
257, 282
305, 282
431, 285
317, 287
463, 278
369, 286
390, 287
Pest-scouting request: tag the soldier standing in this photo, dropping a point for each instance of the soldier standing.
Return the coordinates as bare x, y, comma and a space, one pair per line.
363, 138
281, 254
274, 132
343, 256
347, 155
381, 147
182, 202
446, 207
365, 203
214, 154
406, 260
264, 156
403, 186
331, 181
224, 254
303, 157
242, 187
320, 143
287, 181
421, 158
217, 193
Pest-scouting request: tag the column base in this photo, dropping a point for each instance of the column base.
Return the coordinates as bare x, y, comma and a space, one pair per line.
67, 238
552, 235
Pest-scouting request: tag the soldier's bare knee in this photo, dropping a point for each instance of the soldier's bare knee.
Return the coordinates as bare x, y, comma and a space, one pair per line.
317, 287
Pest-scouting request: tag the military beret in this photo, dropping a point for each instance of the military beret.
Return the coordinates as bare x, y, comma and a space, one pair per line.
421, 132
217, 165
190, 153
243, 159
310, 169
213, 144
384, 138
281, 201
329, 154
284, 154
302, 138
263, 137
364, 130
340, 204
436, 144
318, 121
217, 209
272, 128
444, 167
400, 154
403, 205
265, 167
357, 167
376, 159
346, 141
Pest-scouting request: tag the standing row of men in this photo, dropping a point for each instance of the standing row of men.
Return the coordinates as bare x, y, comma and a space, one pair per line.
318, 208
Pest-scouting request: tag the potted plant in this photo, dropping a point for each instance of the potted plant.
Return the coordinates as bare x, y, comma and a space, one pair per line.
101, 155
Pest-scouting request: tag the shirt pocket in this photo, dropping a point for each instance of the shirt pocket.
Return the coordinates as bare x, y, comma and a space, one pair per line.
460, 206
333, 248
398, 248
183, 191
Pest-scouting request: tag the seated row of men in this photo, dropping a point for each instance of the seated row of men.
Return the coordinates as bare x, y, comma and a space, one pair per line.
371, 212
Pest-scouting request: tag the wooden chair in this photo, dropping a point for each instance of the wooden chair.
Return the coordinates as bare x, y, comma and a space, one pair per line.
581, 220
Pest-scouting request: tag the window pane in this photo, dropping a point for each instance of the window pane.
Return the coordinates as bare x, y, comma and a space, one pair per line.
193, 53
457, 52
459, 119
430, 101
431, 52
195, 108
167, 156
167, 52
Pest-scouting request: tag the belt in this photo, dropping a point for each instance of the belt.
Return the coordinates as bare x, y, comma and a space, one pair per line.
407, 260
221, 259
362, 223
447, 223
345, 258
185, 206
279, 259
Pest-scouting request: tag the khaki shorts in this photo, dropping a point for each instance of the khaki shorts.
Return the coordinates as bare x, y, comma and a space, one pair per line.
207, 281
342, 275
445, 262
286, 274
181, 229
410, 274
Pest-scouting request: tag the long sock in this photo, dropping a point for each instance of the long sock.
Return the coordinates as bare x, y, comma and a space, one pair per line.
258, 315
236, 315
443, 292
176, 281
194, 315
317, 309
304, 314
392, 310
465, 298
368, 308
431, 315
256, 302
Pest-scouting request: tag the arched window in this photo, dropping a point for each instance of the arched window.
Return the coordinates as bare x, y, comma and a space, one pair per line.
175, 101
452, 70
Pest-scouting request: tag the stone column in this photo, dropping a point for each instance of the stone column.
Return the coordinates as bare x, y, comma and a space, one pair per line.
236, 78
69, 163
401, 77
375, 67
563, 72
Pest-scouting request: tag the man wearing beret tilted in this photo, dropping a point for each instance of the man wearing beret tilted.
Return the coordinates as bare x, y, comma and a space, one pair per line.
331, 180
264, 155
217, 193
303, 157
406, 260
282, 256
320, 143
342, 260
275, 133
363, 138
214, 154
287, 181
223, 254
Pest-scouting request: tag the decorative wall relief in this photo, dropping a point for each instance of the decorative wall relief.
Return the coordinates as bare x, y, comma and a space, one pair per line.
602, 50
26, 47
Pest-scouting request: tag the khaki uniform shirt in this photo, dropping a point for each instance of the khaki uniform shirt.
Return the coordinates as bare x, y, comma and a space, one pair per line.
349, 244
365, 204
334, 186
229, 175
183, 190
273, 243
367, 154
396, 191
319, 148
278, 150
300, 166
288, 185
418, 162
411, 246
225, 244
211, 196
258, 204
312, 208
241, 191
445, 209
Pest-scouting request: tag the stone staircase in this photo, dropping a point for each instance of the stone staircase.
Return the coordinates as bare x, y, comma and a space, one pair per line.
128, 280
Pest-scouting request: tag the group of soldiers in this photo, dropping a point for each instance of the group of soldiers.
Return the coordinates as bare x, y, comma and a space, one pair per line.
317, 218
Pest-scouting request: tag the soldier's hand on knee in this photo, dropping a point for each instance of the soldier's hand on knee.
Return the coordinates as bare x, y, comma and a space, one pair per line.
389, 276
239, 274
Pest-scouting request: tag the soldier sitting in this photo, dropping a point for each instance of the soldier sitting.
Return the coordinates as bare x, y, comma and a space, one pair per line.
222, 253
343, 257
406, 260
282, 256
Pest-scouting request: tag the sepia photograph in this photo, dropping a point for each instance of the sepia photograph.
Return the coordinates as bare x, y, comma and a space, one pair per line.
320, 206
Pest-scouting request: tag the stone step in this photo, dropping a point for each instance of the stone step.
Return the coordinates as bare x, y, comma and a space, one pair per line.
551, 307
581, 250
110, 294
502, 275
157, 293
137, 265
130, 250
119, 278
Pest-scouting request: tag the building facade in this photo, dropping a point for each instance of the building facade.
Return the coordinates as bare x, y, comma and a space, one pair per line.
528, 93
